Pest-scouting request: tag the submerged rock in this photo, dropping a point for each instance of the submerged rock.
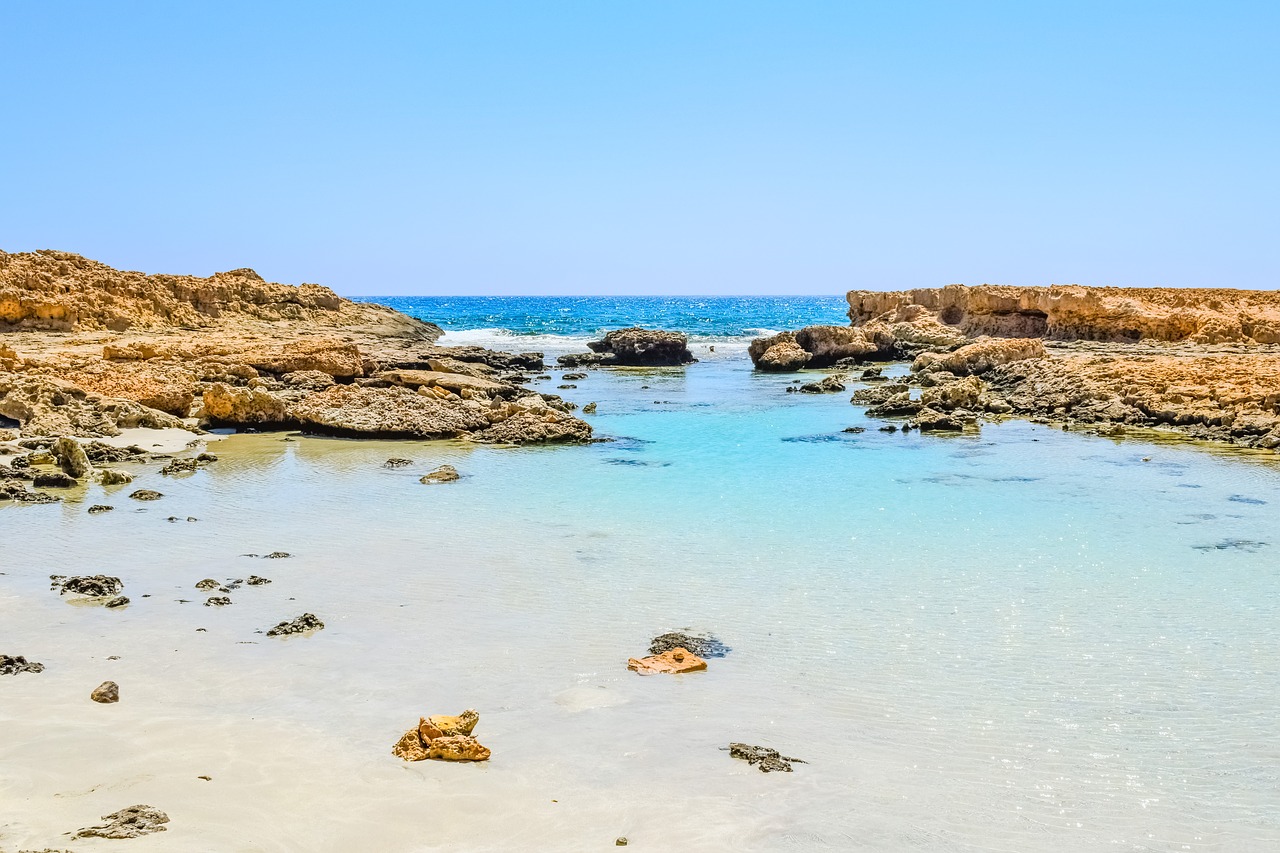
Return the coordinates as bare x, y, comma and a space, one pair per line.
146, 495
768, 760
218, 601
305, 622
14, 664
106, 693
254, 580
127, 823
55, 480
207, 583
703, 645
397, 462
443, 474
674, 661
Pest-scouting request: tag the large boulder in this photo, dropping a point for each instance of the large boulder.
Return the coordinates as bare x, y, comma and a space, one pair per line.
828, 344
228, 404
635, 347
778, 353
71, 457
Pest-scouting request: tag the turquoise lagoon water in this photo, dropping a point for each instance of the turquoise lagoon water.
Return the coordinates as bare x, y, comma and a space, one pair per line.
1021, 640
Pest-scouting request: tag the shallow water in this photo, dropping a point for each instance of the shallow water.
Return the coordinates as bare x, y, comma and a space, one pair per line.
1027, 640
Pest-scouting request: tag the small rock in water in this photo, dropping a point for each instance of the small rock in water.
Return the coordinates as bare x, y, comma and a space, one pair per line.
854, 430
254, 580
106, 693
146, 495
589, 409
305, 622
218, 601
118, 601
98, 508
91, 585
114, 477
207, 583
444, 738
675, 661
443, 474
768, 760
55, 480
621, 840
127, 823
397, 462
702, 645
14, 664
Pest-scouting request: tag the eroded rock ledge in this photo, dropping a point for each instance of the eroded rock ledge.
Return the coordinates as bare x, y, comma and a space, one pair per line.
233, 350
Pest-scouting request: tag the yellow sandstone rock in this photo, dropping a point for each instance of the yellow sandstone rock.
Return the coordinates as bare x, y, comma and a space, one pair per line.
674, 661
442, 737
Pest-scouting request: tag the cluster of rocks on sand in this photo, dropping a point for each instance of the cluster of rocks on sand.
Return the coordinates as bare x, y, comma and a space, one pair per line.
1205, 362
89, 351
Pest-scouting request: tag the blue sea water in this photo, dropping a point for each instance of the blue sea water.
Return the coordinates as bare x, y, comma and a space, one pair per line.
701, 317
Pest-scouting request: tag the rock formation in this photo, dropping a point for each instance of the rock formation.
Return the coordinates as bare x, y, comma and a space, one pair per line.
635, 347
1072, 312
443, 738
675, 660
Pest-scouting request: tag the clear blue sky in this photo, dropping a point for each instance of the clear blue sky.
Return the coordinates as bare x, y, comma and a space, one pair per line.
648, 146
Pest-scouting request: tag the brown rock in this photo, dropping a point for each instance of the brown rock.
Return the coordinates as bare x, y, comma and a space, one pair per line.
443, 474
673, 661
127, 823
106, 693
457, 748
462, 724
979, 357
385, 412
231, 405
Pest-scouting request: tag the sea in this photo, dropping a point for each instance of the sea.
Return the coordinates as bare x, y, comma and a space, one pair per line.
1014, 640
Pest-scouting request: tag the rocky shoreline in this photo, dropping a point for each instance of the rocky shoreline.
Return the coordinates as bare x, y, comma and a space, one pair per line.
1203, 363
87, 351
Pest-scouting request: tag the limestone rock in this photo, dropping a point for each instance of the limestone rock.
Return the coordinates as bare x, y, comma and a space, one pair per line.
106, 693
14, 664
457, 748
385, 412
827, 385
778, 354
676, 660
45, 405
768, 760
1072, 312
443, 474
114, 477
231, 405
455, 383
828, 344
96, 586
462, 724
979, 357
71, 457
635, 347
127, 823
305, 622
702, 645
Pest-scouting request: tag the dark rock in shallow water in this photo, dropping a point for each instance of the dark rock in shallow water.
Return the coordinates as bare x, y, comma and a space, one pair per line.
634, 347
828, 385
98, 452
768, 760
106, 693
305, 622
443, 474
274, 555
1240, 499
14, 664
254, 580
702, 645
218, 601
127, 823
854, 429
1247, 545
97, 508
92, 585
118, 601
55, 480
397, 462
146, 495
207, 583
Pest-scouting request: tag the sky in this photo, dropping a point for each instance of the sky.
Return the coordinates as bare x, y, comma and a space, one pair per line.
655, 147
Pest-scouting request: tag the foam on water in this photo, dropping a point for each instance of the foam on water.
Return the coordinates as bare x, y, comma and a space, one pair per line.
1016, 641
